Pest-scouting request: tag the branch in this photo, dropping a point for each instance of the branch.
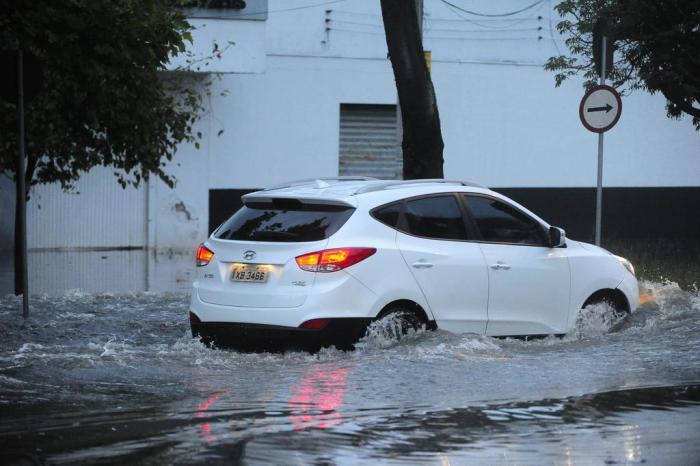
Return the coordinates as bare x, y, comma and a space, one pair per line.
682, 105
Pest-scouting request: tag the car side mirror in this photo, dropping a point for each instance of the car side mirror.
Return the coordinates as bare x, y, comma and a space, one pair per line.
557, 237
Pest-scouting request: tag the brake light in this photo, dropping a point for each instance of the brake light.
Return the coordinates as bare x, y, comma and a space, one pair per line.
204, 255
331, 260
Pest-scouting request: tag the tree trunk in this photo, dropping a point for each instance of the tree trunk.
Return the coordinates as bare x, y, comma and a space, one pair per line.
422, 140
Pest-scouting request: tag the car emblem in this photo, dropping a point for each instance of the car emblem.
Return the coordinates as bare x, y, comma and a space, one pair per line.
249, 255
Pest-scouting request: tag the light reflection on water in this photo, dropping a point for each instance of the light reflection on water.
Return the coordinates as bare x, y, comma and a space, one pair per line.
104, 377
204, 430
317, 399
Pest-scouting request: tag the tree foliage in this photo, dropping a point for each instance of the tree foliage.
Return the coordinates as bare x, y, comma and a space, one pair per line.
657, 48
106, 100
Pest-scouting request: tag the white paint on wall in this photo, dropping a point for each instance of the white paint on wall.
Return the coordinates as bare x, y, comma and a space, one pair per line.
242, 44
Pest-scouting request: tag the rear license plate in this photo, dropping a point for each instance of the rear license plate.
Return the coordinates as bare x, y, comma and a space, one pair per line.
249, 273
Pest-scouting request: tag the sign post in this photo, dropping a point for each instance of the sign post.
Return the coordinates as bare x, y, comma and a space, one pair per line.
599, 111
599, 186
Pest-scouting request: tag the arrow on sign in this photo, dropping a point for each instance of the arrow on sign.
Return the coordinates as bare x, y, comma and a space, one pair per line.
605, 109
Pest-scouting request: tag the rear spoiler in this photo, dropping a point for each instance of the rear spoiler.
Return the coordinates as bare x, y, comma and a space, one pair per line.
260, 197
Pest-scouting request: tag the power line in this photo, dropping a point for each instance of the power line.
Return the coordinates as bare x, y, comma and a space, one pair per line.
551, 29
488, 15
430, 36
428, 18
342, 24
355, 23
513, 21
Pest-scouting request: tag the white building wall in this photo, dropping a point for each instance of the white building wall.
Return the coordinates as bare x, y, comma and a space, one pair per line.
503, 121
284, 124
96, 213
503, 126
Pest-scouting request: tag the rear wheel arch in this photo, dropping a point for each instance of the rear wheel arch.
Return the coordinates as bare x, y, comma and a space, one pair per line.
613, 296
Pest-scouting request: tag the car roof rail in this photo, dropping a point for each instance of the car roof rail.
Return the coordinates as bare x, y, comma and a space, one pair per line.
304, 181
394, 183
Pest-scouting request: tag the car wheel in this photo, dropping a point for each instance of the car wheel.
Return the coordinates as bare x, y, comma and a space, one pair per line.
601, 315
395, 323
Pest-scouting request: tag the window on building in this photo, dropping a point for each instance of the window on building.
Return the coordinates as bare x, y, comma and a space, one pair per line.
223, 4
368, 142
226, 9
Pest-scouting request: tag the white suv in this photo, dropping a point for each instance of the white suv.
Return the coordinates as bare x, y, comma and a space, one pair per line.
311, 263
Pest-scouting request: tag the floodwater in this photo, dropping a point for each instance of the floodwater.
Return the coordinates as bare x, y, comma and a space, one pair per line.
116, 378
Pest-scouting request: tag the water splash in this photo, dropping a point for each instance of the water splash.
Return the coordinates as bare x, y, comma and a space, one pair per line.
387, 332
124, 329
595, 320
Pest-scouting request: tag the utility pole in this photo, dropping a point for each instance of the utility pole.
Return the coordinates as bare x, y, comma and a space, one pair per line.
399, 122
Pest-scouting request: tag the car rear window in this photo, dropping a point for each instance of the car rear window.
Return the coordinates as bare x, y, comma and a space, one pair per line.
295, 222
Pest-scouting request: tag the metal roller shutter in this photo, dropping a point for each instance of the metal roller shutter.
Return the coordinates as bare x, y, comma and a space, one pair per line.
368, 142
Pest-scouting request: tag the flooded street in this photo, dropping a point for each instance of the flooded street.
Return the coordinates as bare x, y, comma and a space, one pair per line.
116, 378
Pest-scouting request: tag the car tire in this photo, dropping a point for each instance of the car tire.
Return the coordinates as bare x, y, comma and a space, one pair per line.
618, 312
397, 322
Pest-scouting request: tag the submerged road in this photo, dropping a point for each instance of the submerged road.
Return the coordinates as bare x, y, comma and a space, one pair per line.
101, 378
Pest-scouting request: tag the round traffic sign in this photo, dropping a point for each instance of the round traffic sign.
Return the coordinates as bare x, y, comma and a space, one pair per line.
600, 108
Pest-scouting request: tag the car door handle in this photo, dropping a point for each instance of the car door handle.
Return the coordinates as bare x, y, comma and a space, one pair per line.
500, 266
421, 264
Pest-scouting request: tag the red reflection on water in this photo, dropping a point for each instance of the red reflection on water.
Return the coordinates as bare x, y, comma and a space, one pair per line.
204, 430
317, 397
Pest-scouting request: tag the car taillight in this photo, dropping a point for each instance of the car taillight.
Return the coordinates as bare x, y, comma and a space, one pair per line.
331, 260
204, 255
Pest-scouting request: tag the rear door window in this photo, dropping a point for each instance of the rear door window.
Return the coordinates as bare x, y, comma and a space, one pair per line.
295, 222
437, 217
499, 222
390, 214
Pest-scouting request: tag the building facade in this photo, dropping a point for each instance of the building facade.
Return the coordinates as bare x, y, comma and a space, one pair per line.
305, 89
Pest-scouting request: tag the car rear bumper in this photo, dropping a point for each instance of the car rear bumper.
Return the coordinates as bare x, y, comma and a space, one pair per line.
335, 297
342, 333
